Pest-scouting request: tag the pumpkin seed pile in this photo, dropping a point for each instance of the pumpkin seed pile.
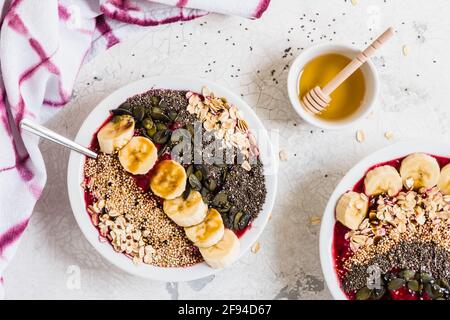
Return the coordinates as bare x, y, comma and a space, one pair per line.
424, 273
238, 194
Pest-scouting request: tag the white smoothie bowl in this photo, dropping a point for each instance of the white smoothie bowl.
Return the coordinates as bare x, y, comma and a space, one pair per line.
96, 118
370, 76
396, 151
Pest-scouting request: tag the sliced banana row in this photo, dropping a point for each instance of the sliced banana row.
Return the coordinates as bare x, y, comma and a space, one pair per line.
169, 180
417, 171
218, 246
137, 155
444, 180
420, 170
116, 134
385, 179
352, 209
186, 212
207, 233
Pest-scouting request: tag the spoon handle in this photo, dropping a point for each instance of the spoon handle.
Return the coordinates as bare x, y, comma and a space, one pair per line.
356, 63
48, 134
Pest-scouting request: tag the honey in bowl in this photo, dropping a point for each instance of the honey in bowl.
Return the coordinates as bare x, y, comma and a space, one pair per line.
347, 98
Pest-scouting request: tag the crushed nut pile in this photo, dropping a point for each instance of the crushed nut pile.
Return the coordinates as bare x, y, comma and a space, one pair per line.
411, 216
131, 220
225, 121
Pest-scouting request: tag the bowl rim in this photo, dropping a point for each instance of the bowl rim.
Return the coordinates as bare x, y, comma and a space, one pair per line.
84, 136
391, 152
303, 58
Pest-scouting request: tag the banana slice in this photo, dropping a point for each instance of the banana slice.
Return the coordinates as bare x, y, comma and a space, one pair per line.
444, 180
138, 156
186, 213
169, 180
224, 253
385, 179
352, 209
115, 134
207, 233
420, 170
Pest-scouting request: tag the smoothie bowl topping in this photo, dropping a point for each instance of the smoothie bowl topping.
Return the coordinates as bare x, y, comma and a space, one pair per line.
392, 235
177, 181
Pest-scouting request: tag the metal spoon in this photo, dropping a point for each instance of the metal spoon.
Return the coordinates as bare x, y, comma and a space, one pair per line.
48, 134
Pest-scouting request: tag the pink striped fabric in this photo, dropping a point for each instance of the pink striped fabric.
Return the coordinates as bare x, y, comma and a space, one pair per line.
42, 46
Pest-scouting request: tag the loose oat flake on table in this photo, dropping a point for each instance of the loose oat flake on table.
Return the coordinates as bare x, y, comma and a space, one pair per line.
151, 198
394, 226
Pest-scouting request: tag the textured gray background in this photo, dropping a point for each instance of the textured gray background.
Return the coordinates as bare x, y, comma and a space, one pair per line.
249, 58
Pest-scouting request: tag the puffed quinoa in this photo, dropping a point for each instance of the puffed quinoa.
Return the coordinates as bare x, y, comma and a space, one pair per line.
130, 219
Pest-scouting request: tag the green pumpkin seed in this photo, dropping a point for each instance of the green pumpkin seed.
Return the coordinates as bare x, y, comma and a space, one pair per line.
194, 182
161, 137
205, 193
428, 290
126, 106
426, 277
224, 175
244, 221
203, 169
225, 208
220, 164
173, 115
119, 112
148, 123
363, 294
189, 170
163, 104
413, 285
138, 113
161, 126
407, 274
210, 184
396, 283
151, 132
154, 100
237, 219
437, 290
158, 114
199, 175
220, 200
377, 294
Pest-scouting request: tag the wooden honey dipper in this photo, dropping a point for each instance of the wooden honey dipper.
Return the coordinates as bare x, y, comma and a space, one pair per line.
318, 99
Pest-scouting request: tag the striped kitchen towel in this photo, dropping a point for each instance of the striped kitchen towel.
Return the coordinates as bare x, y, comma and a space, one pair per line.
42, 46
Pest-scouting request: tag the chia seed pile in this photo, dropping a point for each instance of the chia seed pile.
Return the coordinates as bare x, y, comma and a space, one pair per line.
120, 204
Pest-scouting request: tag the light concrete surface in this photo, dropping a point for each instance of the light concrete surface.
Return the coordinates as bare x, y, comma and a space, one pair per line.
251, 58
